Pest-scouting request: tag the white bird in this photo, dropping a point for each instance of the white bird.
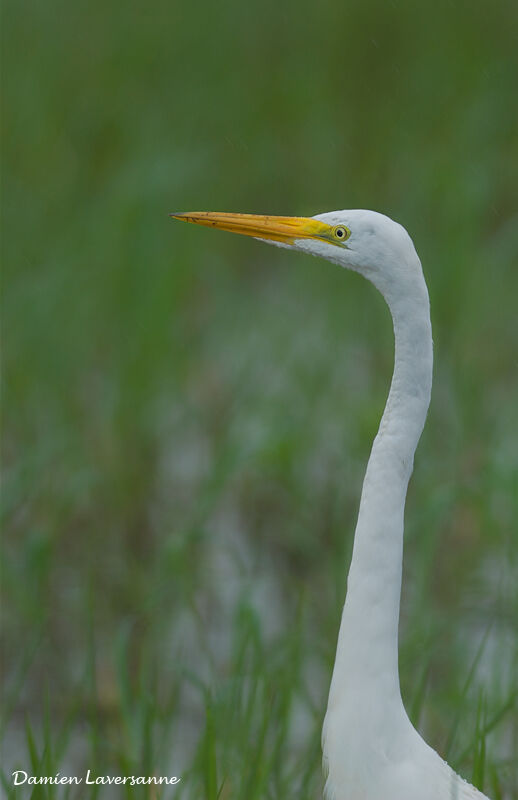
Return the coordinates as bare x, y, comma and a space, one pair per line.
371, 749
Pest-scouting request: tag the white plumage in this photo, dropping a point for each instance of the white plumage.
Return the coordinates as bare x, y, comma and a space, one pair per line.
371, 750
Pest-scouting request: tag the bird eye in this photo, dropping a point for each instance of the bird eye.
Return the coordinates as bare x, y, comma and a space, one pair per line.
341, 232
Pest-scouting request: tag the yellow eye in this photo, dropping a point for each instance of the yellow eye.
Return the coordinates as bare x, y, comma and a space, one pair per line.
341, 233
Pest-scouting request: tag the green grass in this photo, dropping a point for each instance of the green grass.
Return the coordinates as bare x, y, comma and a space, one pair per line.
187, 415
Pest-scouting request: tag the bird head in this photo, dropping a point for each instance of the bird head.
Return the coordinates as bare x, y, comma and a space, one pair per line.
364, 241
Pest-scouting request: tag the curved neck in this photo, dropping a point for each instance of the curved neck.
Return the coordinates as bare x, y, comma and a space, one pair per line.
367, 653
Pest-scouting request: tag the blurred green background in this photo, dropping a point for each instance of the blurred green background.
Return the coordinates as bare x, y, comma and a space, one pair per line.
187, 415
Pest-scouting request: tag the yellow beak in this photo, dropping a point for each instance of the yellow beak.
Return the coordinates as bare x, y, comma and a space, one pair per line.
276, 229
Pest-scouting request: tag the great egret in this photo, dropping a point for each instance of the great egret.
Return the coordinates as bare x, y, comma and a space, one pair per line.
371, 749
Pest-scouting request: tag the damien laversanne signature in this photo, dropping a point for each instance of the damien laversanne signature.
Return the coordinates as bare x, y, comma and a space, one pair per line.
20, 777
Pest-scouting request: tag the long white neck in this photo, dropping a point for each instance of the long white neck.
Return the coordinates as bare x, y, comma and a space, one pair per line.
365, 684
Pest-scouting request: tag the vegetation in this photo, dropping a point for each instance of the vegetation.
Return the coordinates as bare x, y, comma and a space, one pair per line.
188, 415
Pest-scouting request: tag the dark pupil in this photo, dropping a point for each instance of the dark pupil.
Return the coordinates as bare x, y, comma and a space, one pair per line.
340, 232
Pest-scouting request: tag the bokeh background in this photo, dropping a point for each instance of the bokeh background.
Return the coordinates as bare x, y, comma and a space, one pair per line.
187, 415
